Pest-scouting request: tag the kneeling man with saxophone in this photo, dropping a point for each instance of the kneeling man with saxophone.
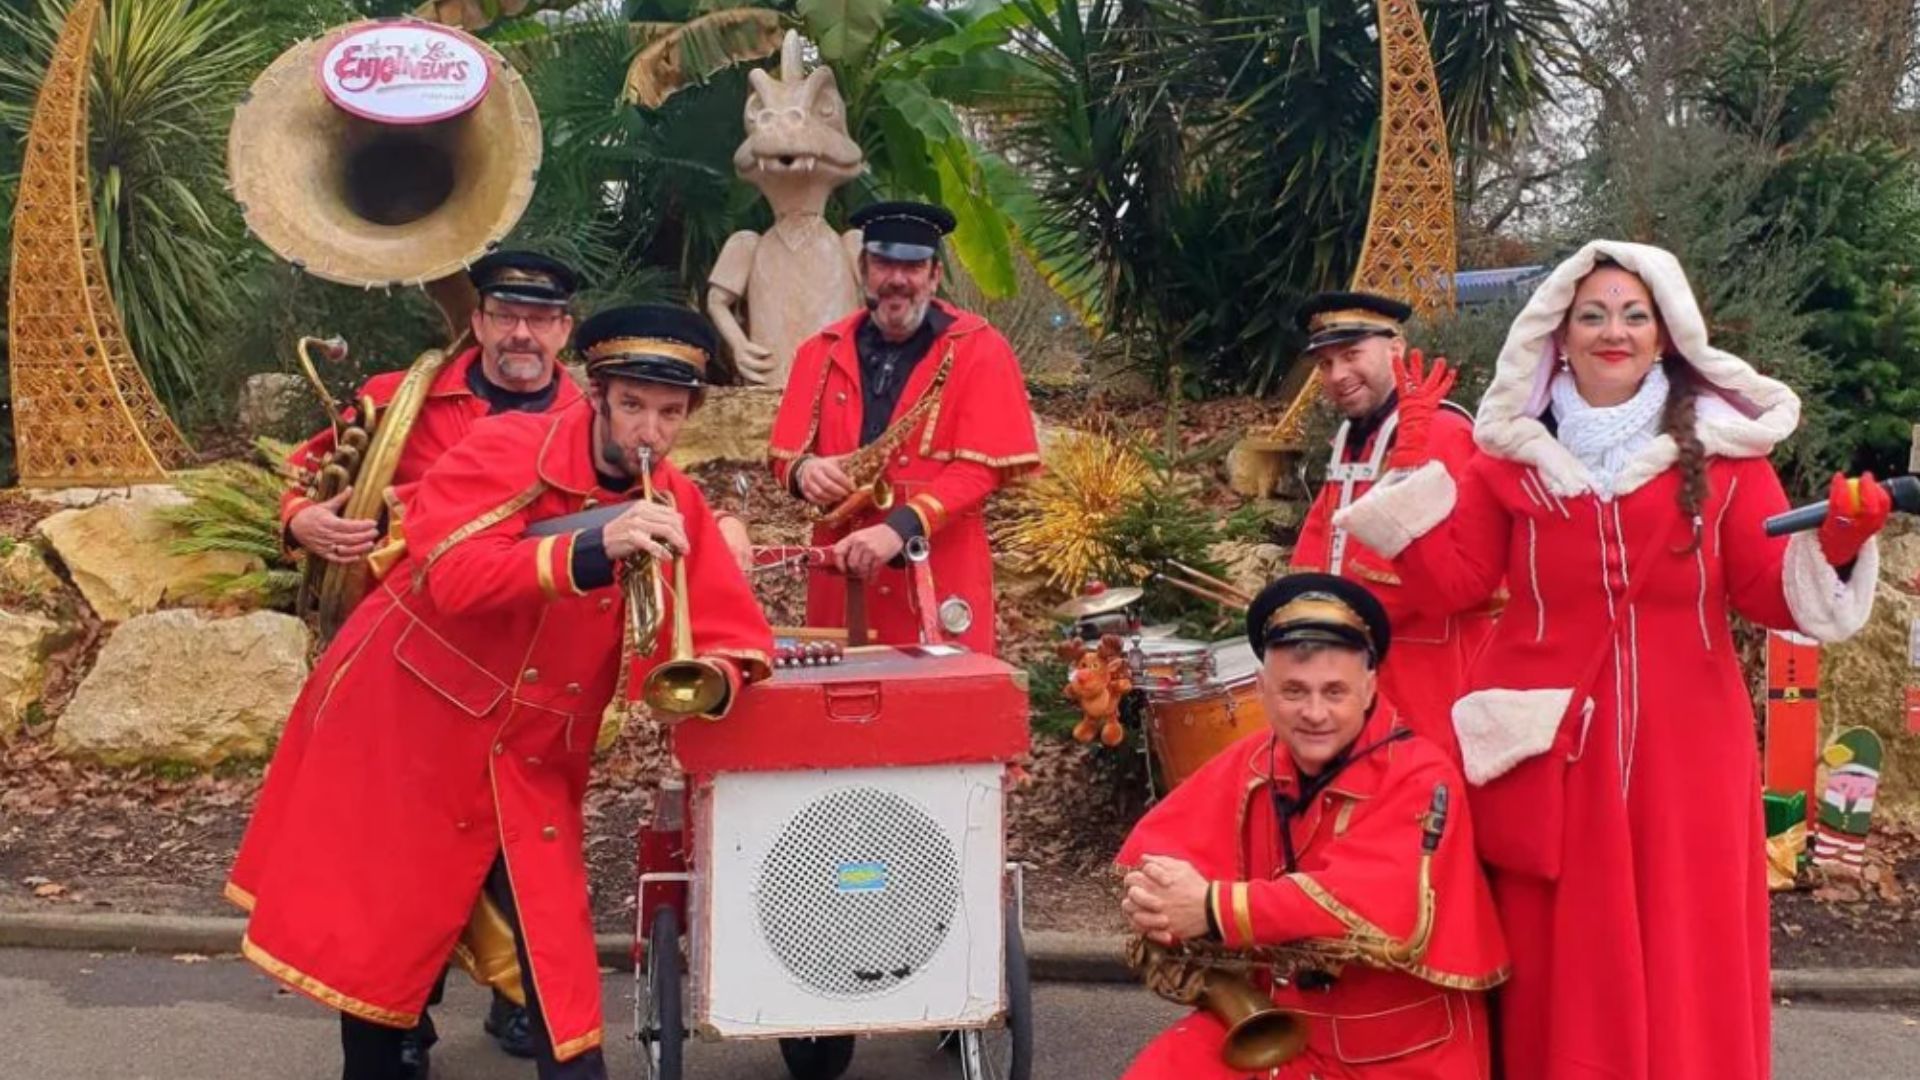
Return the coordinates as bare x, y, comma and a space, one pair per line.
445, 735
1314, 889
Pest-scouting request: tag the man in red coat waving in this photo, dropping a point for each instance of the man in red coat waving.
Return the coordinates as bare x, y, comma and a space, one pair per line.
921, 397
1354, 339
1337, 832
443, 741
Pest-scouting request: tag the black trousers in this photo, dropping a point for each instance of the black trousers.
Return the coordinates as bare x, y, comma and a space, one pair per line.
372, 1051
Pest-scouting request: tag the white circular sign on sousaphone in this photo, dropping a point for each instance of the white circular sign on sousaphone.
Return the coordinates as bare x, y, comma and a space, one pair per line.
404, 72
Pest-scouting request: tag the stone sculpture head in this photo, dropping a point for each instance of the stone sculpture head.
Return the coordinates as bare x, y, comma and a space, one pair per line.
796, 128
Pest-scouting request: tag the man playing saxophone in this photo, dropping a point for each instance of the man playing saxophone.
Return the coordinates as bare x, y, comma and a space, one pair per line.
898, 422
1324, 868
444, 738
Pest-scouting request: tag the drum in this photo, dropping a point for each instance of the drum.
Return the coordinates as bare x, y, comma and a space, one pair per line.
1162, 665
1188, 723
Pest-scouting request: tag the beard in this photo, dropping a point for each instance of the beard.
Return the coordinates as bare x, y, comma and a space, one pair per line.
621, 461
889, 316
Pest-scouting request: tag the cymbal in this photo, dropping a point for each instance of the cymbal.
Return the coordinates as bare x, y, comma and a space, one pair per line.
1100, 603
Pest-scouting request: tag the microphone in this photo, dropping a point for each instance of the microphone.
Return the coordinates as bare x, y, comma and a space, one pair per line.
1903, 490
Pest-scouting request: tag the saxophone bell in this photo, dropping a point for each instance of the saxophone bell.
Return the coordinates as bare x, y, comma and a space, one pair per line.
1260, 1035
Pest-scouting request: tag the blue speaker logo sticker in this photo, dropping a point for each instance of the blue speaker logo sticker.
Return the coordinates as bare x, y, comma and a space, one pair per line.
860, 877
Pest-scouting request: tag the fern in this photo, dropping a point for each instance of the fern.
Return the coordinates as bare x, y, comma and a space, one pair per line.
234, 507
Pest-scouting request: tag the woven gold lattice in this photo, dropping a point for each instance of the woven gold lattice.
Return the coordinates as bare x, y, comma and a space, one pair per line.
83, 411
1410, 248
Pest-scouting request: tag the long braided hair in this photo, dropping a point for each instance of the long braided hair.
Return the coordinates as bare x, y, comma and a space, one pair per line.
1677, 420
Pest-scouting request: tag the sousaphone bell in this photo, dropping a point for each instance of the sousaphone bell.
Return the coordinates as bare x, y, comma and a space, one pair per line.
353, 195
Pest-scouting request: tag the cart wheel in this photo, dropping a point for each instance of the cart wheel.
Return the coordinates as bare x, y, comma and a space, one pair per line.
817, 1059
661, 1031
1005, 1053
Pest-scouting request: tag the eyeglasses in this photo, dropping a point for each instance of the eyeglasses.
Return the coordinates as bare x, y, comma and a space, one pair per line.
539, 323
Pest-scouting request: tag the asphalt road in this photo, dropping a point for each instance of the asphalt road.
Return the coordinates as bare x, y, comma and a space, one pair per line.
71, 1015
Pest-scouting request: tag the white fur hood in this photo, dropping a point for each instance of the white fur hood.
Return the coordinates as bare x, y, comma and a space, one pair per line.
1745, 415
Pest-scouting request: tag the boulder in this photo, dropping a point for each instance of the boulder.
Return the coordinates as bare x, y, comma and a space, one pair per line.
25, 643
74, 498
25, 575
1256, 465
735, 423
117, 554
279, 406
182, 686
1863, 680
1249, 566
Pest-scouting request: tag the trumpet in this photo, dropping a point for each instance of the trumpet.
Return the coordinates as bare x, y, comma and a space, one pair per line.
684, 684
1261, 1036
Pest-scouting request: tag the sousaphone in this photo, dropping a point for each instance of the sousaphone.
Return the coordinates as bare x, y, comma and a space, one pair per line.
383, 153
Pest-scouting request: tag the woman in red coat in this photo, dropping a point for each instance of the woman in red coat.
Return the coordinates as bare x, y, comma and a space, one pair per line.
1607, 729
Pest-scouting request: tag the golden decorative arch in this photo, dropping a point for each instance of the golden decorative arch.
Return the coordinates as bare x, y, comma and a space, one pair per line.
1411, 250
84, 413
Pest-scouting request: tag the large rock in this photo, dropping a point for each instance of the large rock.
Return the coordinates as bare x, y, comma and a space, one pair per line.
1256, 465
78, 497
25, 575
734, 424
1249, 566
117, 554
1863, 680
279, 406
185, 687
25, 643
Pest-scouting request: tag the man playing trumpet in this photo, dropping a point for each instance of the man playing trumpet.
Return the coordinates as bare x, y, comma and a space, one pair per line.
898, 422
443, 741
1324, 868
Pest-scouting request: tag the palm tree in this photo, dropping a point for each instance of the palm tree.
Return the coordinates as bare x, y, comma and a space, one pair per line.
661, 175
1204, 163
166, 75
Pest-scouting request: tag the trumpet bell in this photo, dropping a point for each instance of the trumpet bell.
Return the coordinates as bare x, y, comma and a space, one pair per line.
689, 687
360, 202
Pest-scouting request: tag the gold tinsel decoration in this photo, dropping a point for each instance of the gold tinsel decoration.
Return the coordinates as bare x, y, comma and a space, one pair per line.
1059, 515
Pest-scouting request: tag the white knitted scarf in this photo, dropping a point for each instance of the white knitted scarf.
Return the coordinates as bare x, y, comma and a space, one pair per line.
1606, 439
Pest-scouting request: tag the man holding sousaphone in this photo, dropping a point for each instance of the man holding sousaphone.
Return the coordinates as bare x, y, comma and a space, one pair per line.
513, 365
444, 737
898, 421
1314, 889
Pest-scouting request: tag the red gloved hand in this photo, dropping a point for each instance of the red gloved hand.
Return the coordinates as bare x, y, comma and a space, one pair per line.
1422, 389
1856, 510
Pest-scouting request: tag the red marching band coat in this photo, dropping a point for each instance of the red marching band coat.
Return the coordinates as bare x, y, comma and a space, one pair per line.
453, 720
1432, 647
979, 437
1358, 848
445, 418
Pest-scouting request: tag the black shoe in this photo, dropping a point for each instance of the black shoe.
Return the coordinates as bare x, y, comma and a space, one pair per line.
415, 1058
510, 1027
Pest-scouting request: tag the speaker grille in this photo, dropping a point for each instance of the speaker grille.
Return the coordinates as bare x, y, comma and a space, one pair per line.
858, 892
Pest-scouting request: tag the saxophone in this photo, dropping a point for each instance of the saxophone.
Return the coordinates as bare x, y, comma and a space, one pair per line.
1219, 979
867, 466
